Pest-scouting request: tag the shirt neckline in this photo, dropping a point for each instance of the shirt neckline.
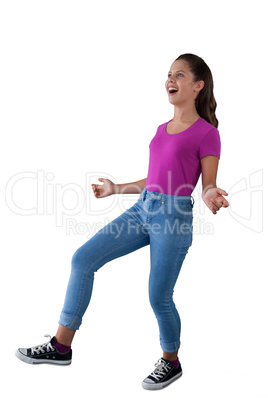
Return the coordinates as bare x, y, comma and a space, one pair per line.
165, 128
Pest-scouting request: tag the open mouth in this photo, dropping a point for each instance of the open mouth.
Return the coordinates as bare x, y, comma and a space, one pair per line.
172, 91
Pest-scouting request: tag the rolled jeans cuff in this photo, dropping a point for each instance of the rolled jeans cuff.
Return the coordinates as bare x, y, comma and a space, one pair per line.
170, 347
70, 321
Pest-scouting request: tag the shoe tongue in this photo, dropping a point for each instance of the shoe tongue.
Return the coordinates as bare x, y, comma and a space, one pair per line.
53, 340
165, 360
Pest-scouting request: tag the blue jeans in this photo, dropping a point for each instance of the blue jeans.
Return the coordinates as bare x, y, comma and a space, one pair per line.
163, 221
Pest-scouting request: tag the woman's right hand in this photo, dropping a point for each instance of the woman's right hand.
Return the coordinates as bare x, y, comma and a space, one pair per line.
107, 188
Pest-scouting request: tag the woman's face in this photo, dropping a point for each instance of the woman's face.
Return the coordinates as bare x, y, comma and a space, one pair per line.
180, 78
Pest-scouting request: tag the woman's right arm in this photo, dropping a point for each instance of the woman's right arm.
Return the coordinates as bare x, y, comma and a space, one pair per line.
130, 188
109, 188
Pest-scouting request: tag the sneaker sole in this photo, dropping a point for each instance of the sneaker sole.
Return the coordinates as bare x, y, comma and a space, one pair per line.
161, 385
29, 360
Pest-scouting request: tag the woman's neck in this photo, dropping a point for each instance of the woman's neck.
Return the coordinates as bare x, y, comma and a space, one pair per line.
184, 116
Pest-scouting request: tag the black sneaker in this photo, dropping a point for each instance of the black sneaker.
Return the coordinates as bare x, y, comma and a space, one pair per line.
45, 353
163, 375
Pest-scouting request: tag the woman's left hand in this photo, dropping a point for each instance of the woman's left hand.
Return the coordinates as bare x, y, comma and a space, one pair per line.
214, 200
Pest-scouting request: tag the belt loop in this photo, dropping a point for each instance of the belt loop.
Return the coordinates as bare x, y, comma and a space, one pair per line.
192, 198
144, 194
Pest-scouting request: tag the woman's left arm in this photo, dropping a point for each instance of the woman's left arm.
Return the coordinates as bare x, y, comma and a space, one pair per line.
211, 194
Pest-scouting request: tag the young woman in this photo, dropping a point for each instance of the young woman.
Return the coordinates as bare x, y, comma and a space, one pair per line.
181, 149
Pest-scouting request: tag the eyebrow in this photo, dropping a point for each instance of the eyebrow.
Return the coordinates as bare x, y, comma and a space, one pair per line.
178, 71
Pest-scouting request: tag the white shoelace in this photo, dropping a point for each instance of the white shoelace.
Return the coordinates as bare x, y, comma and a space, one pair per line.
162, 368
40, 348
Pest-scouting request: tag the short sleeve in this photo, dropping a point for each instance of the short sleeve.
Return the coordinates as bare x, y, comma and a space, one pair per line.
211, 144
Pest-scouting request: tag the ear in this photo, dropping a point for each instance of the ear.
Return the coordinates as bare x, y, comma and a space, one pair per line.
199, 85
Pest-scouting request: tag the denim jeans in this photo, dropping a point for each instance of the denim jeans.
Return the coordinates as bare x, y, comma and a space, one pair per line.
163, 221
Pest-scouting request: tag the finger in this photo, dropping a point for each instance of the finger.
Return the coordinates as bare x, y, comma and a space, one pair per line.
95, 190
211, 206
218, 201
212, 209
225, 204
214, 204
222, 202
219, 190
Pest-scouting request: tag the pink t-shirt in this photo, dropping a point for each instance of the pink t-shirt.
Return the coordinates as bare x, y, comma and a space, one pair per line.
175, 159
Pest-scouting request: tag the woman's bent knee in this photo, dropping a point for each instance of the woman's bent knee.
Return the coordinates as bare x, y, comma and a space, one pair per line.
80, 260
85, 258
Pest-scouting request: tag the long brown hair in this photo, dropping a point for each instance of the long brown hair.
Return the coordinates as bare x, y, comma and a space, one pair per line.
205, 102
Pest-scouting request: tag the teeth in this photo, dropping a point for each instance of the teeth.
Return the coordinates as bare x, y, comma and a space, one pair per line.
172, 89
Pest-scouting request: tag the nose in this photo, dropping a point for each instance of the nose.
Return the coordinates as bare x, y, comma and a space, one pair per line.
170, 79
169, 82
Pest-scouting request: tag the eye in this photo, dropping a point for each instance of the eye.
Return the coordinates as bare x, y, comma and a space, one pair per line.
177, 74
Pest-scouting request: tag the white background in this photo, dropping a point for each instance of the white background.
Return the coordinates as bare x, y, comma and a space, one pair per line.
82, 94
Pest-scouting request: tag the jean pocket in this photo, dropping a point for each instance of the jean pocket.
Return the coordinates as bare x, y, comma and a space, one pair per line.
178, 210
